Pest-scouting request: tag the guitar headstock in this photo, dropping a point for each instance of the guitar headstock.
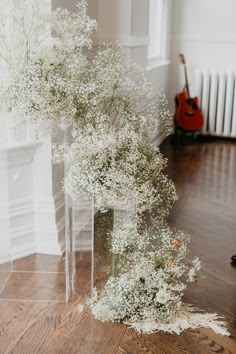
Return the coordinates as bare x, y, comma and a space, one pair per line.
181, 59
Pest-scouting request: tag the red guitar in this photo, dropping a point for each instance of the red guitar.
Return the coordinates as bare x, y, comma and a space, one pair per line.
188, 116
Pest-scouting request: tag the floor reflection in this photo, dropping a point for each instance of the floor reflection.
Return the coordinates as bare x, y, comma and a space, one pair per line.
205, 177
43, 277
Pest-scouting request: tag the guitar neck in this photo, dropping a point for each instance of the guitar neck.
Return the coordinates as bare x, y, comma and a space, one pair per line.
186, 82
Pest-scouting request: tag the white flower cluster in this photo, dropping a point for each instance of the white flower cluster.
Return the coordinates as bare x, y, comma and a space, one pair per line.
117, 166
112, 112
147, 293
49, 88
67, 82
152, 274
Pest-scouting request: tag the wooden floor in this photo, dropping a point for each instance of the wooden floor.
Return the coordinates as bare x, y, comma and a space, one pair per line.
205, 176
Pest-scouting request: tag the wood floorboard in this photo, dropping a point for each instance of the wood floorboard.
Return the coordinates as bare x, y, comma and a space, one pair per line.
205, 177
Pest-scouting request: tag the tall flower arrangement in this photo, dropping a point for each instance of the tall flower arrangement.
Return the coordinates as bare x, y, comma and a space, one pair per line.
112, 111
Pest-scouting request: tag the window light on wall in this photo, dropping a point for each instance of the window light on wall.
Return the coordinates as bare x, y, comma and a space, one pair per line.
155, 28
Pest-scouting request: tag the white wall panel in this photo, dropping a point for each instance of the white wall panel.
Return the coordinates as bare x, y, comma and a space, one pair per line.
205, 31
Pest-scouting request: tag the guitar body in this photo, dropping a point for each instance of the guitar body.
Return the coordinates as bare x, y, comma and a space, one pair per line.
188, 116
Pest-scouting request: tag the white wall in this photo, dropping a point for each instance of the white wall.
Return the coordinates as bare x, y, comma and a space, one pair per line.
127, 21
28, 210
114, 19
205, 32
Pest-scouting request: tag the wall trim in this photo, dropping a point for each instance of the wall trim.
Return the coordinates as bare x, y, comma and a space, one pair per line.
20, 206
222, 40
158, 64
24, 250
27, 249
20, 231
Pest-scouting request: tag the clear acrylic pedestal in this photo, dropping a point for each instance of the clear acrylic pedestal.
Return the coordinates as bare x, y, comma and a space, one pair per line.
50, 247
92, 260
34, 249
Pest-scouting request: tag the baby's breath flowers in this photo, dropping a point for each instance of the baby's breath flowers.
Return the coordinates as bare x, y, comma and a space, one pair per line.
66, 81
110, 109
152, 275
48, 88
117, 167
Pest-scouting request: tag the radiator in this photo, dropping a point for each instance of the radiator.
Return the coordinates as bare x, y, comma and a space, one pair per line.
217, 94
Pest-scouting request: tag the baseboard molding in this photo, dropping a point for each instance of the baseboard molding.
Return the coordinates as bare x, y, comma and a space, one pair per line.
23, 251
16, 207
27, 249
51, 250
